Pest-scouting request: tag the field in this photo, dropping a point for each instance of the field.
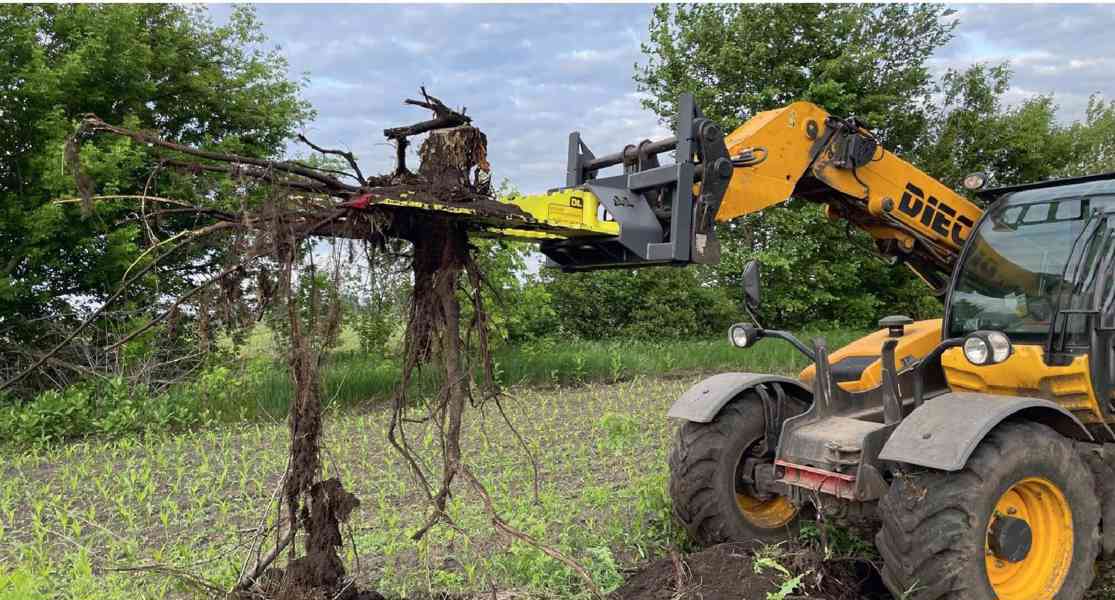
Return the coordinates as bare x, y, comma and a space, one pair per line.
352, 378
123, 518
143, 516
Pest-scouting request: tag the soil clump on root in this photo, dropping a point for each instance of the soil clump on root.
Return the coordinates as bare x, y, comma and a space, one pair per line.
728, 572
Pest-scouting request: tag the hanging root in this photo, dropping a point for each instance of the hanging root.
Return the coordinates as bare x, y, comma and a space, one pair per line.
308, 202
442, 263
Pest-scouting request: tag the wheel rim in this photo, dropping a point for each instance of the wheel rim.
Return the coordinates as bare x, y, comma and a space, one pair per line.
768, 514
1040, 574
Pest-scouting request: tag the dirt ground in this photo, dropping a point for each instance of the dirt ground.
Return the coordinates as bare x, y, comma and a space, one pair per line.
719, 573
730, 572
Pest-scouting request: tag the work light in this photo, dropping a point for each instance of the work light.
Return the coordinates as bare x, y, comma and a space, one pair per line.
987, 347
975, 181
742, 335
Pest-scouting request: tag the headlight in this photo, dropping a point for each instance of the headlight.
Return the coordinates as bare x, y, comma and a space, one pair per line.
743, 336
975, 181
987, 347
1000, 346
977, 350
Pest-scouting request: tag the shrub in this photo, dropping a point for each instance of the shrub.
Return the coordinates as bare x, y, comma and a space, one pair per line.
113, 407
653, 303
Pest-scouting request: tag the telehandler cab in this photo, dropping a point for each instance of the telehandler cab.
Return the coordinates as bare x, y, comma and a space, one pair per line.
978, 445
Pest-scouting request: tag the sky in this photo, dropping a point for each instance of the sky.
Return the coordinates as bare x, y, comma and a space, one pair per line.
530, 74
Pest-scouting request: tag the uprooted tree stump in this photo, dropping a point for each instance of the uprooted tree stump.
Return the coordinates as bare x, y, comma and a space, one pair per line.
307, 202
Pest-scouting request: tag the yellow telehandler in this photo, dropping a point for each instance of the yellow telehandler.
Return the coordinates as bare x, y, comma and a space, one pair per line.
977, 445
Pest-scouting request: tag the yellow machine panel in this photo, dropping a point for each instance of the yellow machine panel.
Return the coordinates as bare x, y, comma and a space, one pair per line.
1023, 374
896, 191
574, 209
778, 137
1026, 374
560, 214
920, 338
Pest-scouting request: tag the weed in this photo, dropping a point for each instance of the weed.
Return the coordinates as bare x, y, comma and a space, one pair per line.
620, 429
835, 541
767, 558
786, 588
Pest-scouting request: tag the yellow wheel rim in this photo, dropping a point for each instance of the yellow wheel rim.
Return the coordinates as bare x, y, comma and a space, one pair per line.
1040, 574
768, 514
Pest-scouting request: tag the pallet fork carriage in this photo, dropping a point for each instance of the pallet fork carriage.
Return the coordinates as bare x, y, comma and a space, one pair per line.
978, 446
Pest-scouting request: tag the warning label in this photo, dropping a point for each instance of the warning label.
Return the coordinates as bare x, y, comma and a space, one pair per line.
565, 214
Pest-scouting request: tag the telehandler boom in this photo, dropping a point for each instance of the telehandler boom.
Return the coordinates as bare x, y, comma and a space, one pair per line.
976, 446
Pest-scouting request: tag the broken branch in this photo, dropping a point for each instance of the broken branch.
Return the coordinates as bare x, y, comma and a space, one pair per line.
348, 156
94, 123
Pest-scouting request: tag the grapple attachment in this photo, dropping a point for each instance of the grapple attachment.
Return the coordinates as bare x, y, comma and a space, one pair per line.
650, 214
664, 212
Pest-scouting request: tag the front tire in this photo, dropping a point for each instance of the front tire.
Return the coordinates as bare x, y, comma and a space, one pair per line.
704, 467
1019, 522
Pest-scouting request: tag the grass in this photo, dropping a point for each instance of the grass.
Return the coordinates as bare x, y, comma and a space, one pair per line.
71, 517
77, 519
352, 378
253, 385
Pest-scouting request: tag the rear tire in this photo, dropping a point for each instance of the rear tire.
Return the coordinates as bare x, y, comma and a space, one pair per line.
935, 537
1104, 474
703, 474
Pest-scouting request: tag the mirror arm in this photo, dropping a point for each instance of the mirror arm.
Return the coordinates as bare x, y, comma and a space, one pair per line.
892, 405
795, 342
754, 317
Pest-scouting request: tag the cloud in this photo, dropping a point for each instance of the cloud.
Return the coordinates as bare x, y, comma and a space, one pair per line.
530, 74
1062, 50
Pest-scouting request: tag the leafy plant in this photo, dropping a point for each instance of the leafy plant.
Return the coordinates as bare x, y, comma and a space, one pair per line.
621, 429
767, 558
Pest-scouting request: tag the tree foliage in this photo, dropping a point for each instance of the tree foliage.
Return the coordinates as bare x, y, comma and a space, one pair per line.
1094, 139
164, 68
739, 59
869, 61
521, 307
974, 130
651, 303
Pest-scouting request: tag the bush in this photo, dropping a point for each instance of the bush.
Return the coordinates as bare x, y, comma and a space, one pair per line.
114, 407
647, 304
373, 329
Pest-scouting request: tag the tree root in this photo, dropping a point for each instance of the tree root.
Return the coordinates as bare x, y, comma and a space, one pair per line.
269, 240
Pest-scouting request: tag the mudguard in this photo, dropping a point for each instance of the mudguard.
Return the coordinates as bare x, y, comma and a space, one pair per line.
943, 432
703, 401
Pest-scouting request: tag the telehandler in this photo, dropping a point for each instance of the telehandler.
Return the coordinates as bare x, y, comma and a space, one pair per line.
978, 445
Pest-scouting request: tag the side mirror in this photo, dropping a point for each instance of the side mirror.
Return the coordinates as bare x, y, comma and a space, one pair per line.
751, 284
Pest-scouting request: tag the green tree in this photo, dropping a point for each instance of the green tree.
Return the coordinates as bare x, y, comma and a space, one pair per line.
165, 68
864, 60
739, 59
818, 274
973, 130
1094, 139
651, 303
519, 306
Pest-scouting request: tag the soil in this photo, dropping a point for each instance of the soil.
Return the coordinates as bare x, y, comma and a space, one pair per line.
723, 572
727, 572
320, 567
